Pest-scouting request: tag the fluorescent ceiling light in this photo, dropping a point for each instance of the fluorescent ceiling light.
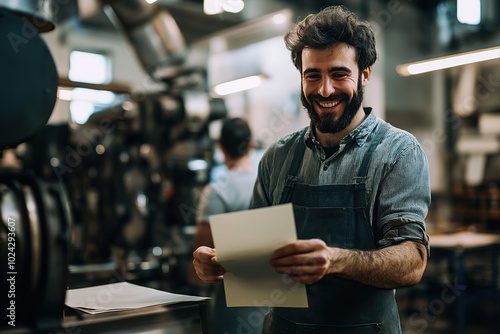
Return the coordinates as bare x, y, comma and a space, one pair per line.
239, 85
212, 7
233, 6
280, 18
448, 61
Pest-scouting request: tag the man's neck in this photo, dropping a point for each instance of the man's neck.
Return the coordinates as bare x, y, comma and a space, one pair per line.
243, 162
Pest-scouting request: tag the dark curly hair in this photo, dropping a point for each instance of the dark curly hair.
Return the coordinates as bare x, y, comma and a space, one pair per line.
334, 24
235, 137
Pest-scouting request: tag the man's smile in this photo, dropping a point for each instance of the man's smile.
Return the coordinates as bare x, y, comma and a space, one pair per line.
328, 104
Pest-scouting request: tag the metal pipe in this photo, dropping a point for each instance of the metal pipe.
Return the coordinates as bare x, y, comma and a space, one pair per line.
152, 32
40, 13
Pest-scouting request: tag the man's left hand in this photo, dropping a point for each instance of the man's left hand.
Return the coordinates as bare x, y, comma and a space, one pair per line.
306, 261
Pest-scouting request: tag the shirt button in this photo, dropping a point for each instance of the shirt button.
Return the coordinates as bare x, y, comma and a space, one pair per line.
325, 167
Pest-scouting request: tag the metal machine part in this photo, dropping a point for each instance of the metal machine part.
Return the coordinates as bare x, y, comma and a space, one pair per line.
34, 213
39, 13
29, 80
34, 239
152, 32
141, 190
125, 182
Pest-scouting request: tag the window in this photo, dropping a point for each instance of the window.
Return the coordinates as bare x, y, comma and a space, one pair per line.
85, 102
94, 69
89, 67
469, 11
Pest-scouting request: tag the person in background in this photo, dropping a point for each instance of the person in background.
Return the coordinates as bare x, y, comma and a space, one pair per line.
359, 187
231, 192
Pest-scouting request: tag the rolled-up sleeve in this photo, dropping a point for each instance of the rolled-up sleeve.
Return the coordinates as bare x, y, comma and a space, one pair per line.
403, 198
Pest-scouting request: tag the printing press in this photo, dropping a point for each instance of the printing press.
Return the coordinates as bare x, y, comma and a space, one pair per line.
111, 200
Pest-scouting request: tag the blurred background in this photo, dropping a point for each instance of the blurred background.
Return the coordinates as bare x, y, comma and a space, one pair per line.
110, 162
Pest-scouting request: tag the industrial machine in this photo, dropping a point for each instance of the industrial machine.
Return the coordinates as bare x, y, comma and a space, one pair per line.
134, 196
122, 209
35, 216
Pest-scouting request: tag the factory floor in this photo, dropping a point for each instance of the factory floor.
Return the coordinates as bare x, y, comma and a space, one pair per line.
459, 293
435, 311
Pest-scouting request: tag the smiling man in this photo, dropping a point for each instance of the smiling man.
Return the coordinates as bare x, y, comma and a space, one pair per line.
359, 187
332, 91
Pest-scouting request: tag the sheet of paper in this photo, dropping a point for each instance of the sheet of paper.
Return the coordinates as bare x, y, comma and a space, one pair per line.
245, 241
121, 296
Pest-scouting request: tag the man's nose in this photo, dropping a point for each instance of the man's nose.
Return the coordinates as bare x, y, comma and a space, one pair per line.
327, 87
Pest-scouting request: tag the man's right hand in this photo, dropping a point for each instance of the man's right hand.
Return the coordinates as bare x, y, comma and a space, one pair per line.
206, 266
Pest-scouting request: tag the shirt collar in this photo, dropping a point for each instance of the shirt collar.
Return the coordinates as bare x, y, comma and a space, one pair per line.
359, 134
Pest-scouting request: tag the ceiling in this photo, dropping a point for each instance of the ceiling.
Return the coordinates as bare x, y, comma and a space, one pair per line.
194, 24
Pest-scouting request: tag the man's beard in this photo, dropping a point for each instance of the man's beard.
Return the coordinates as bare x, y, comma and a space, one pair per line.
326, 122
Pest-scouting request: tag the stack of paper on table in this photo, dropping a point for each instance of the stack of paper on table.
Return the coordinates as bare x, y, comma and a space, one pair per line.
245, 242
121, 296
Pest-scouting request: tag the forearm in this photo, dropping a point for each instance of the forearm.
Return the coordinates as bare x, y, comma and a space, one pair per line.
391, 267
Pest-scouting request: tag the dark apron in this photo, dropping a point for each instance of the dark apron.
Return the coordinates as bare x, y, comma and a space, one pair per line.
338, 215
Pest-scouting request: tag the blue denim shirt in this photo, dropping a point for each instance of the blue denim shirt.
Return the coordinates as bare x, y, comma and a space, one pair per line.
398, 186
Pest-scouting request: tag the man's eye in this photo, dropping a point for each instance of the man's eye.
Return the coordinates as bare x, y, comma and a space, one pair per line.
339, 75
312, 76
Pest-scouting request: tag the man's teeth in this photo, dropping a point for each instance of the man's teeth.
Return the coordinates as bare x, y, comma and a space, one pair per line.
329, 104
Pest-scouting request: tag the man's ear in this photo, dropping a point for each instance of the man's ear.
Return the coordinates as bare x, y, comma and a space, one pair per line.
365, 75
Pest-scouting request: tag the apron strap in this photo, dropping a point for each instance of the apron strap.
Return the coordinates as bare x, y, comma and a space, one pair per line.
292, 176
379, 135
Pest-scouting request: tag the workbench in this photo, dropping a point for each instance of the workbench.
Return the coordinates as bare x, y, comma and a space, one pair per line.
455, 248
182, 318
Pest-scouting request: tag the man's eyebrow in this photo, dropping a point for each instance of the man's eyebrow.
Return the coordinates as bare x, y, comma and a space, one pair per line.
311, 70
332, 69
340, 68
